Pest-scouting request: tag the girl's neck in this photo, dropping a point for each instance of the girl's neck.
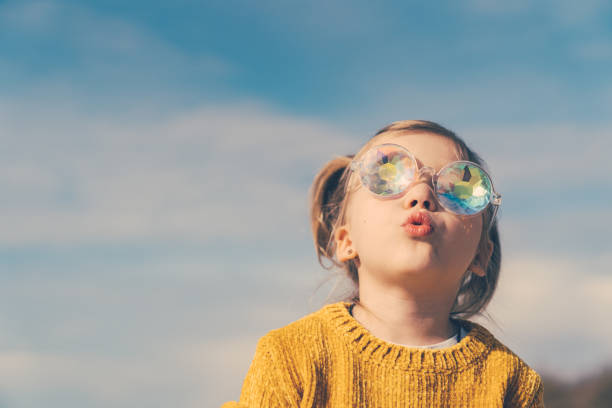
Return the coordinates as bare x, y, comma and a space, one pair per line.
405, 320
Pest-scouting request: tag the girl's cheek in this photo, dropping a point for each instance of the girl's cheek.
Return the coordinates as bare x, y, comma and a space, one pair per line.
466, 224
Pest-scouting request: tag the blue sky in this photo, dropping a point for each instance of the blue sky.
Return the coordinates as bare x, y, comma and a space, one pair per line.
331, 61
157, 157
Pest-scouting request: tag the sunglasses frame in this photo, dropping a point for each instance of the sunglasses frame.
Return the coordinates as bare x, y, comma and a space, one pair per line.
357, 166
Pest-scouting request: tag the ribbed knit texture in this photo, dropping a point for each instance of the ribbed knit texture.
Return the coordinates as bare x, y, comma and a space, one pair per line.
328, 359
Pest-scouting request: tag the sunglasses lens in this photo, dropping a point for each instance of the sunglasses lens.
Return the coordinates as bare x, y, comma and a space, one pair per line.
464, 188
387, 170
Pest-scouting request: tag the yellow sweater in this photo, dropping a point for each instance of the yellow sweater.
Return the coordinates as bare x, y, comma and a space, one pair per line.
328, 359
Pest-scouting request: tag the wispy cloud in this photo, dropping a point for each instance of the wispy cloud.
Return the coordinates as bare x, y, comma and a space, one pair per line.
94, 380
97, 53
213, 172
85, 327
546, 305
546, 155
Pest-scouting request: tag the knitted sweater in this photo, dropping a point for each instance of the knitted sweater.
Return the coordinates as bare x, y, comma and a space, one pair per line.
328, 359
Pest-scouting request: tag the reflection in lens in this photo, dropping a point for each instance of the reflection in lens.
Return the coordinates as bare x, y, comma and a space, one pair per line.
464, 188
387, 170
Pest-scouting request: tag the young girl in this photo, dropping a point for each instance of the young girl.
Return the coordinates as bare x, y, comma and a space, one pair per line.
411, 220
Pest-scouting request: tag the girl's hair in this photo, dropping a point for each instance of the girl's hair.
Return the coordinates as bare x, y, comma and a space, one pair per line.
329, 195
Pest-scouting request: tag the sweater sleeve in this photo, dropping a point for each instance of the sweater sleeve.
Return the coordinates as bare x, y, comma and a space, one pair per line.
527, 390
538, 399
270, 381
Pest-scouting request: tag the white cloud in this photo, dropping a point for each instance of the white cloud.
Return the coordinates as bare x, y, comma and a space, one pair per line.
97, 53
32, 378
181, 331
502, 95
545, 156
211, 172
548, 307
220, 365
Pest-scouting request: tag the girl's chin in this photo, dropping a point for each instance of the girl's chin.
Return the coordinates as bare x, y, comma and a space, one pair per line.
413, 262
419, 265
425, 270
410, 267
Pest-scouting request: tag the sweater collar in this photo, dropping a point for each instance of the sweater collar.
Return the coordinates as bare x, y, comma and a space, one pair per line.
475, 345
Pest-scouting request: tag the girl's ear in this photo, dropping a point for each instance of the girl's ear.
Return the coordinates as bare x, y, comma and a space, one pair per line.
480, 262
344, 245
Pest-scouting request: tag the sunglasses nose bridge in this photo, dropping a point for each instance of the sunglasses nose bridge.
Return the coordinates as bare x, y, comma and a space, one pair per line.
425, 169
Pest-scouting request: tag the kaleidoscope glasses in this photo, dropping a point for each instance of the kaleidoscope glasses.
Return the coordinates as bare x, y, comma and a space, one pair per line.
462, 187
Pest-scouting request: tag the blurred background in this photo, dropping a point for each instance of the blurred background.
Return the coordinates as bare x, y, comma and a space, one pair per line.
156, 159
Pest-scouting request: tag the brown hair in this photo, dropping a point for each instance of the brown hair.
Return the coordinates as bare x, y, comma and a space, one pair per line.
329, 195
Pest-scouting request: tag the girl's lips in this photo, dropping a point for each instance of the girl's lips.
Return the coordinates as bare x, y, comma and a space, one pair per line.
418, 224
418, 230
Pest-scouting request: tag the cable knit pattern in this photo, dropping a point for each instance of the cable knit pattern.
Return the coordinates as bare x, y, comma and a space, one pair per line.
328, 359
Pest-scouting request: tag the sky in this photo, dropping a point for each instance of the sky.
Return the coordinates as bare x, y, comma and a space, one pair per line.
156, 160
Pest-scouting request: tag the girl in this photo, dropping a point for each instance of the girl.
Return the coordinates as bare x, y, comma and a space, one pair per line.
411, 220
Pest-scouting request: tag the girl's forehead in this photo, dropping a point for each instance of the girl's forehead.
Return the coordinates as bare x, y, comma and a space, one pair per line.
429, 149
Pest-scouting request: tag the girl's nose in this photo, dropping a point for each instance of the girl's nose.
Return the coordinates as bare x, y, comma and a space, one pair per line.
420, 193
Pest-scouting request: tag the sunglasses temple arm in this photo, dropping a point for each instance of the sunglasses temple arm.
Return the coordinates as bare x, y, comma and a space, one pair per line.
493, 217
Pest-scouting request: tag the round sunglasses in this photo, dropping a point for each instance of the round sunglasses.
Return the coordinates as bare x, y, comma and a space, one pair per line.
462, 187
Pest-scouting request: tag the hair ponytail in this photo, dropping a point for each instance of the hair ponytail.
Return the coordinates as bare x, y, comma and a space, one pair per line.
327, 207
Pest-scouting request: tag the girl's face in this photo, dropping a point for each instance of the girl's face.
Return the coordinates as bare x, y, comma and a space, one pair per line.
373, 231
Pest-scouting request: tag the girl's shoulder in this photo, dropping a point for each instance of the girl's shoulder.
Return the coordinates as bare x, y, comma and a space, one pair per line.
523, 381
299, 344
308, 328
496, 349
499, 348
